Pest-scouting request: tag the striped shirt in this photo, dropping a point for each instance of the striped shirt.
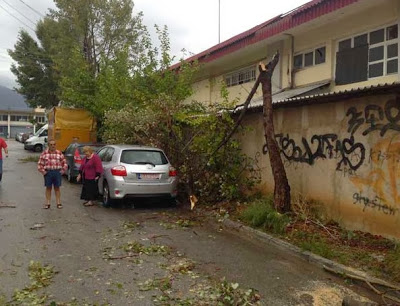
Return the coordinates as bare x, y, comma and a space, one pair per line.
52, 161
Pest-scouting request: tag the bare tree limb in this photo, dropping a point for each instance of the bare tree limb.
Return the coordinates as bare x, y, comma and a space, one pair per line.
370, 283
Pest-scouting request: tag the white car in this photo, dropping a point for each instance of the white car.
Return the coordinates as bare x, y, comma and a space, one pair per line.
18, 137
136, 171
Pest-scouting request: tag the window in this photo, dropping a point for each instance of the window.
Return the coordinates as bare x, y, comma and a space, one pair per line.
360, 40
18, 118
383, 56
102, 153
310, 58
40, 119
142, 157
298, 61
240, 77
320, 55
106, 154
367, 55
3, 117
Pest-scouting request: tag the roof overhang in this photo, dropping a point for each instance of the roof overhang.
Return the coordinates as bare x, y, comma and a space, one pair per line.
328, 97
315, 12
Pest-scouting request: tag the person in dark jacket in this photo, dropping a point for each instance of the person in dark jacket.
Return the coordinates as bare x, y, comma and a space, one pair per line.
89, 172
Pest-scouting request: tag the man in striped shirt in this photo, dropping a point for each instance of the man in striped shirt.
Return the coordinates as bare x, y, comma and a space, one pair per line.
52, 165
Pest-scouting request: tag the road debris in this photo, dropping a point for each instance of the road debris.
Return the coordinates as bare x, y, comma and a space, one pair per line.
37, 226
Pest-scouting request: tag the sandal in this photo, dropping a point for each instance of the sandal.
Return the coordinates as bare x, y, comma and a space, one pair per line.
46, 206
59, 206
88, 203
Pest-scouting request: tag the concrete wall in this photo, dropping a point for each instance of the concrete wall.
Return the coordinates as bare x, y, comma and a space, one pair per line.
345, 154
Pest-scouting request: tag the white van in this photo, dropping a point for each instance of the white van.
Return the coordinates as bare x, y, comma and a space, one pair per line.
38, 141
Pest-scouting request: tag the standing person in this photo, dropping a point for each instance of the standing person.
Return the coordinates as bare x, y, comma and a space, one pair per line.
3, 145
89, 172
52, 165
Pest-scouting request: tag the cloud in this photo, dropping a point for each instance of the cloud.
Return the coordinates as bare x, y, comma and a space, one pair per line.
192, 25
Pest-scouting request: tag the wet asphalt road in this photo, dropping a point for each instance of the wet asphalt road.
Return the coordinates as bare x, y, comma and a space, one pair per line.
76, 240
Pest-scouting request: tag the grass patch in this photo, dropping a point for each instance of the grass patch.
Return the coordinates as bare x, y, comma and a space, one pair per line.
308, 228
392, 263
262, 214
28, 159
317, 245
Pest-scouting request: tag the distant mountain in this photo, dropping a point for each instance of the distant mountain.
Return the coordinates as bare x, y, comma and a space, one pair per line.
9, 99
7, 82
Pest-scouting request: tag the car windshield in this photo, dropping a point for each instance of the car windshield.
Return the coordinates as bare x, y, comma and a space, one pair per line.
141, 157
94, 147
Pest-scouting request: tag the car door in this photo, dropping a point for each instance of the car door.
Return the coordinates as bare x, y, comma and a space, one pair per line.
105, 155
69, 155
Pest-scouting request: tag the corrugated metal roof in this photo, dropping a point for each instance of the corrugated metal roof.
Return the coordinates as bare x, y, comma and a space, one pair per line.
284, 95
301, 99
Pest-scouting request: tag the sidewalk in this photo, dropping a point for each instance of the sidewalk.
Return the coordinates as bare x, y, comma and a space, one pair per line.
389, 291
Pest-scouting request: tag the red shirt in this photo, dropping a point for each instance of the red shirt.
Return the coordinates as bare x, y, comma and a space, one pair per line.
52, 161
91, 167
3, 145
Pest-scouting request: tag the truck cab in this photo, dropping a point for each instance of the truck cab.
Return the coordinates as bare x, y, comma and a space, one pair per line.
38, 141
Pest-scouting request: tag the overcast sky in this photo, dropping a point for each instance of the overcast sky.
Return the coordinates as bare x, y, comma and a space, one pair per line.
192, 24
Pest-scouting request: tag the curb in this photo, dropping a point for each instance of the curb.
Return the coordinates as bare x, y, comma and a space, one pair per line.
308, 256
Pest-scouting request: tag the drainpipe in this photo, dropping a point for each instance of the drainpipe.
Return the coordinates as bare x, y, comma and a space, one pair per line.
291, 66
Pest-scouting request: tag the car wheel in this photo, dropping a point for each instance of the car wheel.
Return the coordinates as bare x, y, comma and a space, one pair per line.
38, 148
107, 201
70, 178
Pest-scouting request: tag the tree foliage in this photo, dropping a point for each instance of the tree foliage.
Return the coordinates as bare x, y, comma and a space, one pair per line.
100, 57
34, 72
189, 133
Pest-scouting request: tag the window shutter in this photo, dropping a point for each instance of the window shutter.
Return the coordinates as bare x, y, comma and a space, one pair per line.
352, 65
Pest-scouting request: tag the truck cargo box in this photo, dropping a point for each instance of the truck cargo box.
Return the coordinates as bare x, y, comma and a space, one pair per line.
71, 124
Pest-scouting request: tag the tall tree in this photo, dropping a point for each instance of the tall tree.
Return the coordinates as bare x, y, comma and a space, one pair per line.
37, 79
282, 188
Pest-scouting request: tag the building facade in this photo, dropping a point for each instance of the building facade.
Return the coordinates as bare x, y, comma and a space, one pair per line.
336, 96
16, 116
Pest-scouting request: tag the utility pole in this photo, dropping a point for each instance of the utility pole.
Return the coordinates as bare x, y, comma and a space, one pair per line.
219, 21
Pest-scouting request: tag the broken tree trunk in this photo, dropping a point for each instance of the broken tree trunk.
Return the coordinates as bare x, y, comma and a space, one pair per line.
282, 188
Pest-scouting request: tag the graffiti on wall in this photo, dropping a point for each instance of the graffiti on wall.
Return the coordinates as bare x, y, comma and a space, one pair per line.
375, 118
382, 182
384, 177
326, 146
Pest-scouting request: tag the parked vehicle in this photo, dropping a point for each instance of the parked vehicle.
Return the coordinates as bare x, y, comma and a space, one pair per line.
136, 171
74, 156
38, 141
25, 136
18, 137
67, 125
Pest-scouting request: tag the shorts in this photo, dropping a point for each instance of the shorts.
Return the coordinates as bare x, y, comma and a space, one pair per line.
52, 178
